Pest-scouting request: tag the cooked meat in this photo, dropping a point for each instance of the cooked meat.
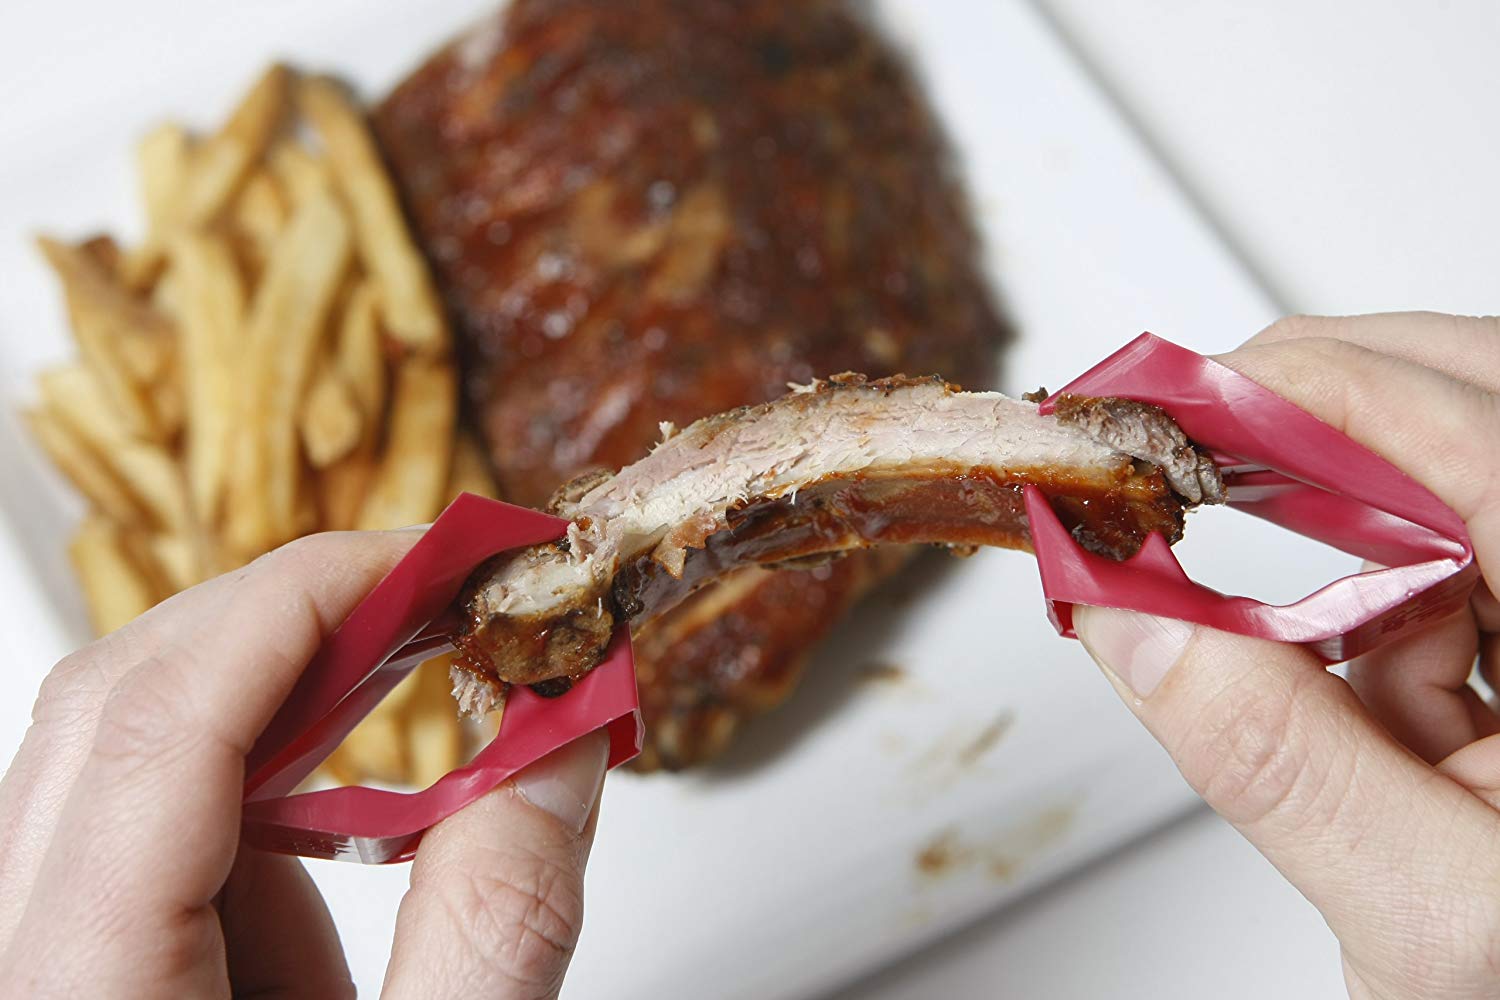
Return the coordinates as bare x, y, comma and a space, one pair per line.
737, 648
658, 210
842, 464
1146, 432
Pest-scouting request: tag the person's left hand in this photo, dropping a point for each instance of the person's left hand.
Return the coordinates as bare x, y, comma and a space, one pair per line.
121, 871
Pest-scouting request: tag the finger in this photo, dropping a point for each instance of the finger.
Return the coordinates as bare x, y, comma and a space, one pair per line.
1477, 768
166, 764
278, 934
72, 697
1418, 688
496, 898
1282, 749
1466, 348
31, 796
43, 771
1438, 430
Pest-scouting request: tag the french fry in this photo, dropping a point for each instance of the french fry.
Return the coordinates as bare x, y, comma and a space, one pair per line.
104, 251
74, 459
164, 296
408, 301
435, 742
339, 766
403, 693
409, 484
376, 748
301, 175
434, 730
216, 169
344, 485
169, 405
213, 306
259, 116
186, 186
305, 517
114, 587
259, 212
144, 469
73, 393
162, 158
177, 559
330, 421
471, 470
141, 268
283, 334
359, 356
125, 342
342, 488
489, 726
162, 162
151, 474
95, 298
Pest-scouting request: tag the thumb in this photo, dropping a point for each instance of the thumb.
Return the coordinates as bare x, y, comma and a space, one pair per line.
1283, 749
496, 899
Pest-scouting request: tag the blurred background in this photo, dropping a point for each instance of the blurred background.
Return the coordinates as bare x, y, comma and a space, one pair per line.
1206, 166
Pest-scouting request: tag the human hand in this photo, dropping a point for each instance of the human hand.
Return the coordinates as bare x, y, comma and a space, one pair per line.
1378, 798
121, 871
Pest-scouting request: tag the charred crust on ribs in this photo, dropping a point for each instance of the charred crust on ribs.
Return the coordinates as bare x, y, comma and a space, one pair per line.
1144, 431
566, 496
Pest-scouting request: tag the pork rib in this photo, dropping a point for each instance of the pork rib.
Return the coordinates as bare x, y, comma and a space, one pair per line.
841, 464
659, 210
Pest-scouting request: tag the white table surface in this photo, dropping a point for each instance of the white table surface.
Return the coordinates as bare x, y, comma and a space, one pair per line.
1348, 151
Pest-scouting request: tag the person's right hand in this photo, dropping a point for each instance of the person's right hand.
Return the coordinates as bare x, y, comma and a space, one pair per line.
1378, 798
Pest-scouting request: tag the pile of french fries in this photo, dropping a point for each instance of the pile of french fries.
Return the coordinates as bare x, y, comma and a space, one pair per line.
271, 360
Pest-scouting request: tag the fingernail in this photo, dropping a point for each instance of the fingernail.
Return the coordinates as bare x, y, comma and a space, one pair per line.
1139, 649
414, 527
567, 781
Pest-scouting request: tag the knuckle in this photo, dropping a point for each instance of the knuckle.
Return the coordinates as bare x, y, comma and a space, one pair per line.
525, 922
185, 940
1297, 326
1316, 354
77, 682
308, 550
1315, 369
1248, 755
145, 720
315, 546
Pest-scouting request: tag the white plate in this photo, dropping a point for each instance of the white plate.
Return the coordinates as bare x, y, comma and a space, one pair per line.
861, 819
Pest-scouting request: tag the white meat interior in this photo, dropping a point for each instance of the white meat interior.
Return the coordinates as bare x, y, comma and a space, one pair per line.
775, 449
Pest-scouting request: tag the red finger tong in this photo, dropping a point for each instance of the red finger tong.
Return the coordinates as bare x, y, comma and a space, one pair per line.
1279, 462
397, 626
1283, 465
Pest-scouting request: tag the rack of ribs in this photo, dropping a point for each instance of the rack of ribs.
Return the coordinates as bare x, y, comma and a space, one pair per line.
649, 212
